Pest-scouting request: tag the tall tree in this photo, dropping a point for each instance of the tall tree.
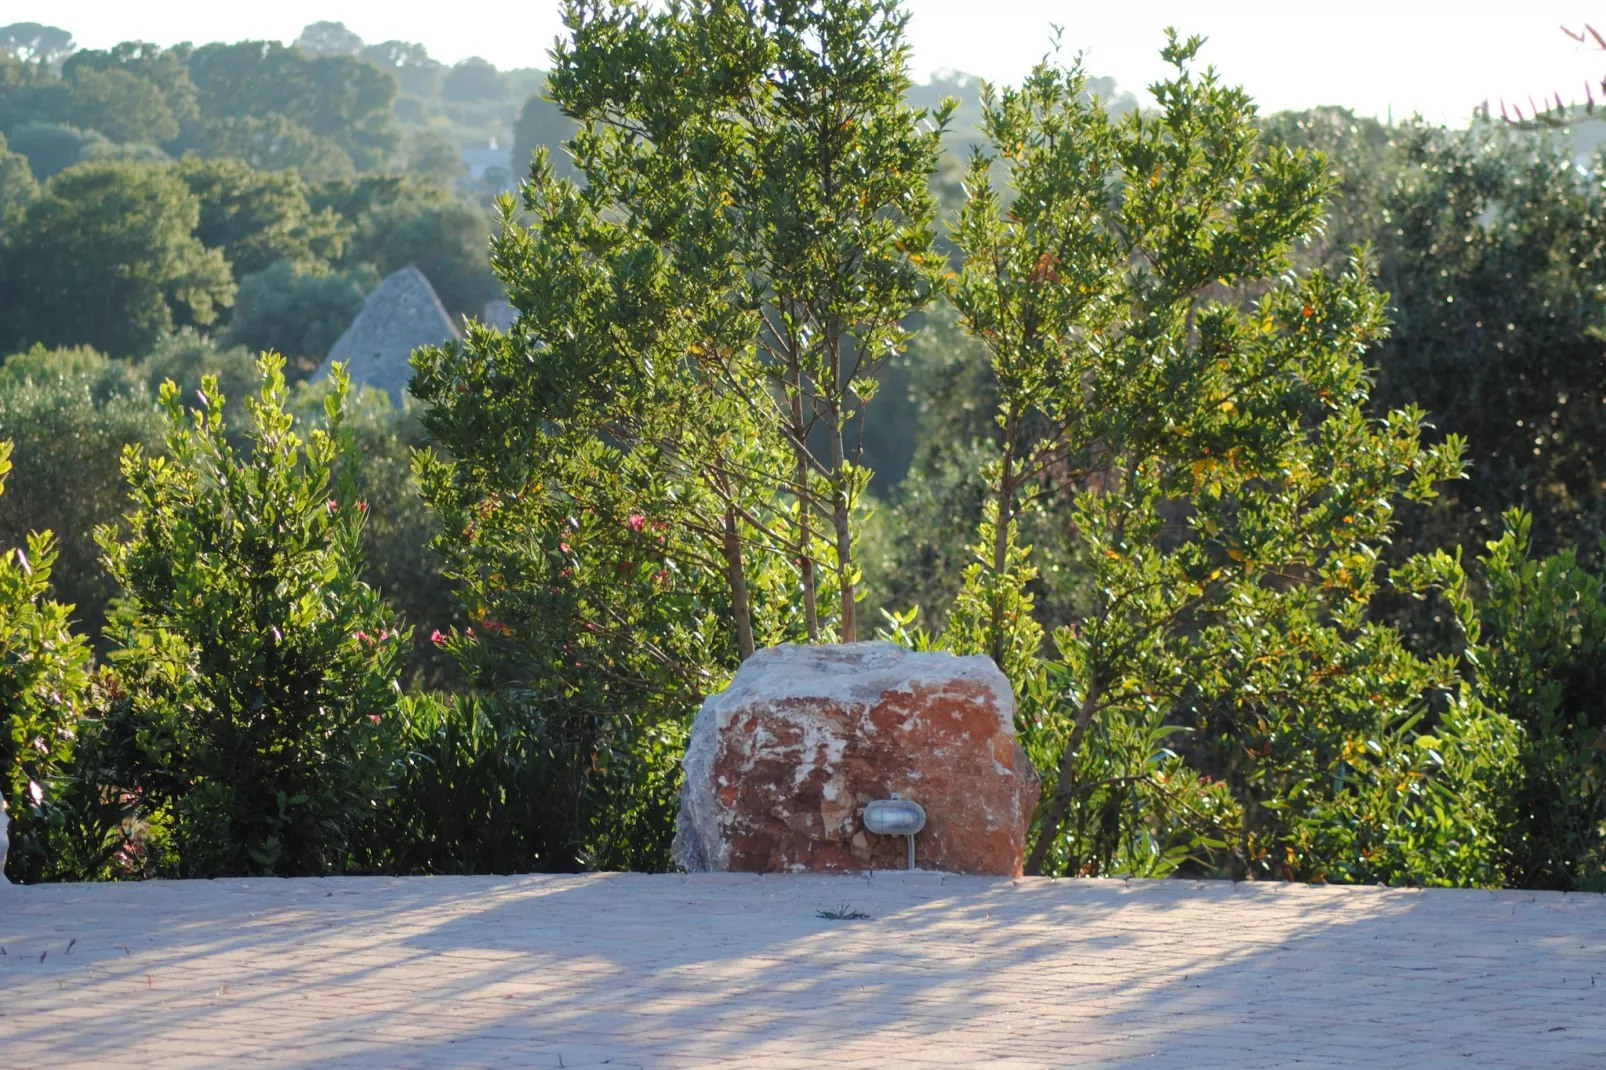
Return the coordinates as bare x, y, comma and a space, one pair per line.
1193, 422
834, 192
108, 257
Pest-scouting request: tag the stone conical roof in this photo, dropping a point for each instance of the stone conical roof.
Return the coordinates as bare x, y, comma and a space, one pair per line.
401, 315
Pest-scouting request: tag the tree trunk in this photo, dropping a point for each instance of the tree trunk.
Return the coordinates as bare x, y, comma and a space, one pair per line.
835, 403
805, 503
738, 585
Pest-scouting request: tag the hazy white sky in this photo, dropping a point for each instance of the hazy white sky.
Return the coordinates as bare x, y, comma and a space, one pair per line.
1439, 57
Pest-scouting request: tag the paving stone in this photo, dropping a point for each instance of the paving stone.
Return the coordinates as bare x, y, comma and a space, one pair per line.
737, 970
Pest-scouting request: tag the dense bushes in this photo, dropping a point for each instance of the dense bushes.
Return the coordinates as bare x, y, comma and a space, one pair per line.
258, 667
1156, 480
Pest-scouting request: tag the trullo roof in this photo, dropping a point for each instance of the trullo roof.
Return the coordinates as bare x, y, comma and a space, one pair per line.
401, 315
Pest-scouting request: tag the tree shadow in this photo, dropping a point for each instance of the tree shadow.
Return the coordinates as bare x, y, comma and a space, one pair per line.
693, 969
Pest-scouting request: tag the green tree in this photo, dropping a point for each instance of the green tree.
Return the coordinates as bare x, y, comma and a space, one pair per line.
474, 79
121, 105
1195, 422
259, 667
435, 158
259, 217
328, 39
108, 257
165, 68
53, 147
1491, 251
264, 85
18, 187
541, 124
32, 42
70, 413
274, 143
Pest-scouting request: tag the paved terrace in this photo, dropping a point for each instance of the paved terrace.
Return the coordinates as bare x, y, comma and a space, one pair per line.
704, 971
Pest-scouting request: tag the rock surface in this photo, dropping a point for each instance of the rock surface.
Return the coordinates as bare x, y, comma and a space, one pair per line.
781, 764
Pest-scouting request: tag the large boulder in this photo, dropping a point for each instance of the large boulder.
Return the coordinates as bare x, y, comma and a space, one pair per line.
782, 762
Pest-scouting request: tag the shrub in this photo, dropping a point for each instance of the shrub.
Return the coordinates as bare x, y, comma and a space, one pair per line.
482, 786
259, 668
1536, 648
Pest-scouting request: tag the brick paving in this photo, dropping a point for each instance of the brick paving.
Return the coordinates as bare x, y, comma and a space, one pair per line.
719, 971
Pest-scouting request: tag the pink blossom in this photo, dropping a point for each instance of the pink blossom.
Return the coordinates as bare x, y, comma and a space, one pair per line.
436, 637
333, 506
636, 522
563, 547
374, 717
360, 636
362, 507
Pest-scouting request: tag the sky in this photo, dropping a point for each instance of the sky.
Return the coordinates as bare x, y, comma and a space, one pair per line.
1440, 59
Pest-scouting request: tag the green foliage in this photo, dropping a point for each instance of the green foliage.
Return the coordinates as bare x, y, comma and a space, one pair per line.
258, 218
434, 158
164, 69
120, 105
18, 187
70, 413
32, 42
541, 124
1488, 242
481, 787
1222, 498
474, 79
107, 257
44, 692
53, 147
187, 357
299, 314
259, 668
396, 221
1492, 252
339, 100
1534, 644
400, 561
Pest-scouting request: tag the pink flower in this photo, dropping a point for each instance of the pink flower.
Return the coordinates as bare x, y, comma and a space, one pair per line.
362, 507
360, 636
333, 506
436, 637
384, 633
374, 717
636, 522
563, 547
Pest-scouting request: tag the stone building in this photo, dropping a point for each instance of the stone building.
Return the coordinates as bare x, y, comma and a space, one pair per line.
403, 314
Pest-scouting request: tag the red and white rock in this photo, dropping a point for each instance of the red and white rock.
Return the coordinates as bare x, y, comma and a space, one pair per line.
782, 762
